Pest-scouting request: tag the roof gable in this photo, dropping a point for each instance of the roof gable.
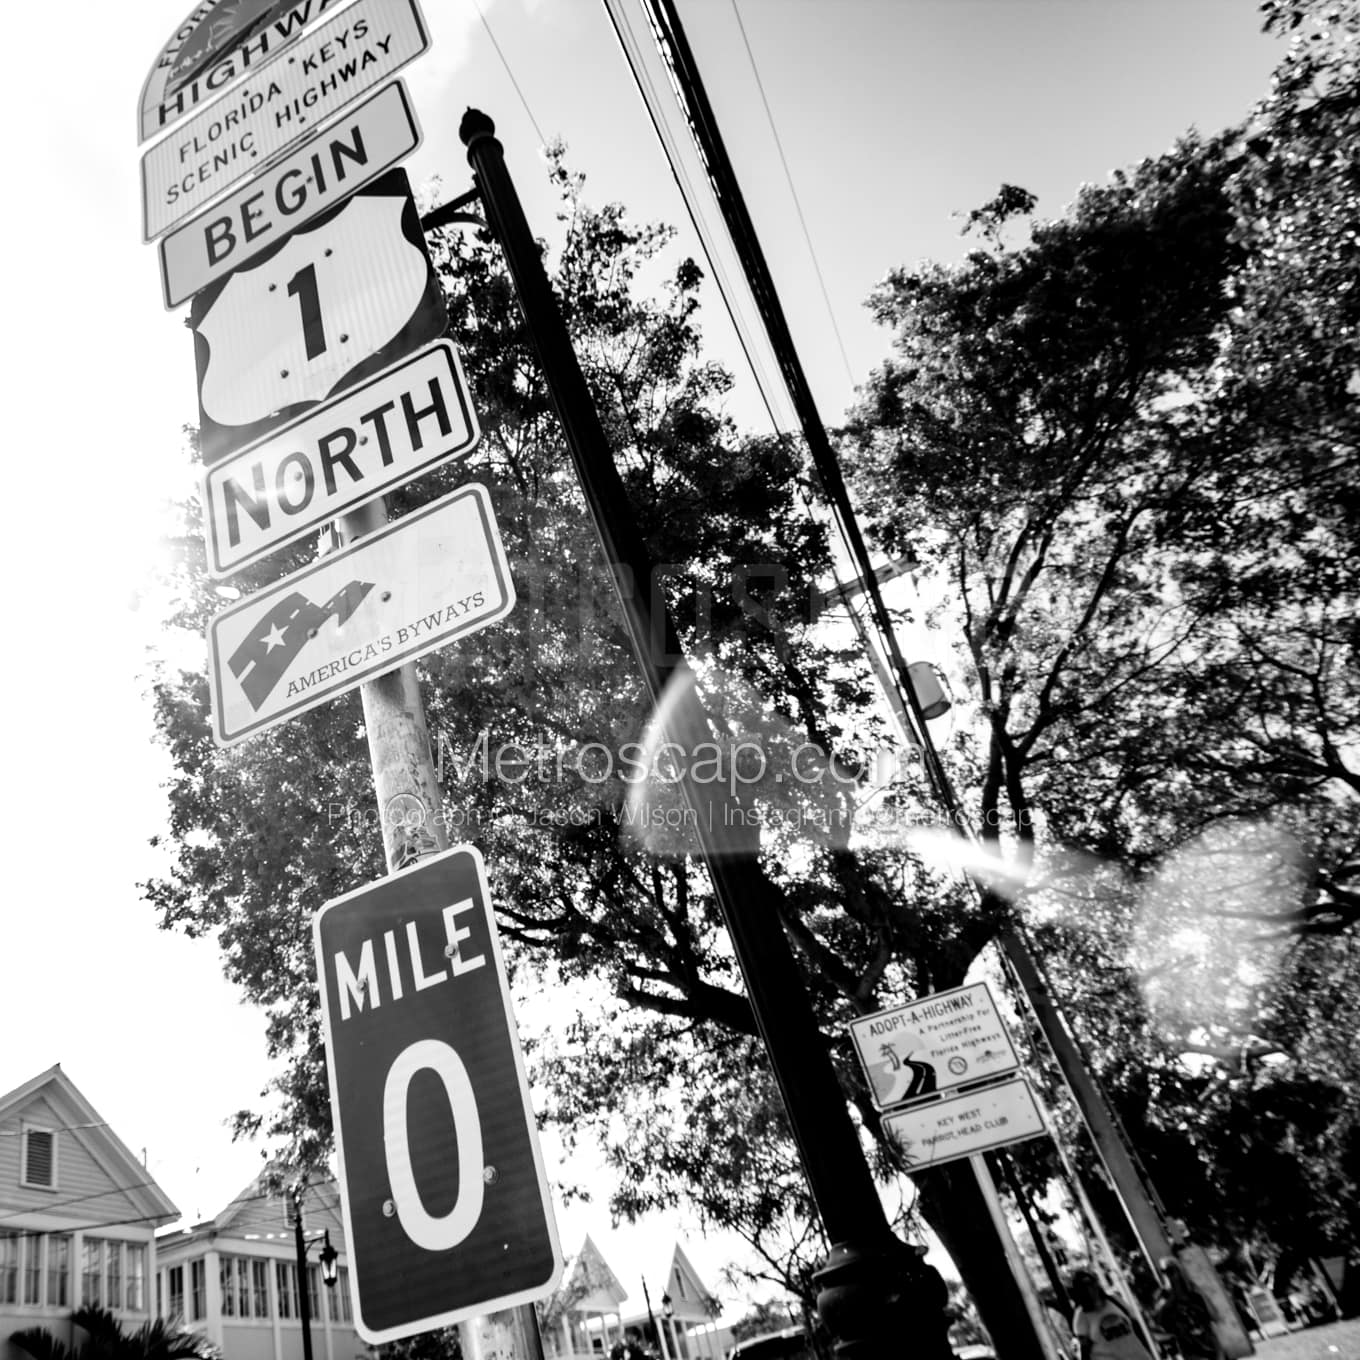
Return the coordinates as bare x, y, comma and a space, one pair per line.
689, 1295
97, 1181
589, 1285
260, 1211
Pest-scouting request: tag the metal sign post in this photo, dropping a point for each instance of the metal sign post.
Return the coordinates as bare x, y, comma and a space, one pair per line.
410, 813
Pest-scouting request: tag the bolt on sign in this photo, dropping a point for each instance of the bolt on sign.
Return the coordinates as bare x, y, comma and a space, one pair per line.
376, 135
372, 438
220, 42
436, 574
331, 304
446, 1204
933, 1044
321, 73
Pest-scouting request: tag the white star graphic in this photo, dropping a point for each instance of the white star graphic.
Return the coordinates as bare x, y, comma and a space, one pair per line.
273, 638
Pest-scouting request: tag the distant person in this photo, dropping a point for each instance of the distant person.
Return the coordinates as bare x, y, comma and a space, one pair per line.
1181, 1310
630, 1348
1104, 1328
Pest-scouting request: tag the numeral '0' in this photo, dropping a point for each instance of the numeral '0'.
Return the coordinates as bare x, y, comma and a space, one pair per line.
303, 287
433, 1233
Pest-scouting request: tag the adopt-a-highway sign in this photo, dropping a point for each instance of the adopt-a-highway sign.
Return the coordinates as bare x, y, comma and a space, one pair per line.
428, 578
939, 1041
445, 1200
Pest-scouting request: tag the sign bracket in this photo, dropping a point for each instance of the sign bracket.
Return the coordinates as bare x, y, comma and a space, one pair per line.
448, 213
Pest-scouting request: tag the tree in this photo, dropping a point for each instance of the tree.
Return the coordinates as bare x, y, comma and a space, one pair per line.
531, 722
105, 1339
1124, 452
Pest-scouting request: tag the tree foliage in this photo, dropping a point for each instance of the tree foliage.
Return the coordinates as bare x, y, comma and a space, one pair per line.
106, 1339
1124, 449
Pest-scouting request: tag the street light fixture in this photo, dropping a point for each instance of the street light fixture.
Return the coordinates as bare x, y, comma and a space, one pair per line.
329, 1258
668, 1312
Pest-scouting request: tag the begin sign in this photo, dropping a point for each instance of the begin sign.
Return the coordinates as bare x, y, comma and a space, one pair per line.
445, 1198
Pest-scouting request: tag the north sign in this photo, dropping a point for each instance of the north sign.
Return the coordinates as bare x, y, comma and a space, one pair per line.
957, 1126
376, 135
370, 439
443, 1190
416, 585
220, 42
322, 73
331, 304
933, 1044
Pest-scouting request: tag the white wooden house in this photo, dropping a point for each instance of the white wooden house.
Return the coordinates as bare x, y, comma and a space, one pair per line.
235, 1277
78, 1214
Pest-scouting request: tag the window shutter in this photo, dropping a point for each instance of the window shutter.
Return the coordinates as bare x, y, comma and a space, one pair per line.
39, 1158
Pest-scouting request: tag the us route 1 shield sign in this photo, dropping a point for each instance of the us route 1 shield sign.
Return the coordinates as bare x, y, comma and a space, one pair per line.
434, 575
321, 73
371, 438
941, 1131
444, 1195
932, 1044
330, 305
373, 137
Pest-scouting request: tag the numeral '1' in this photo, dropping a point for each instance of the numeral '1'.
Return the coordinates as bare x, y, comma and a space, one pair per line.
303, 287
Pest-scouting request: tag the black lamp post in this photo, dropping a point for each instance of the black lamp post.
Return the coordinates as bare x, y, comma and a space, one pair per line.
668, 1312
330, 1271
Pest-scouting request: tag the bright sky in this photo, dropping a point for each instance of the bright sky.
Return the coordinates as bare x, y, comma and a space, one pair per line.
891, 115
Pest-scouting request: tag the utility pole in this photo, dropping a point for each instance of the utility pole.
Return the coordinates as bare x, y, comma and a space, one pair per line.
410, 810
1108, 1137
872, 1296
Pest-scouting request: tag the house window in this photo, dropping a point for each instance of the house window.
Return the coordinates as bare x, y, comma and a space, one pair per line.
198, 1290
337, 1297
91, 1276
33, 1268
113, 1260
136, 1277
313, 1295
243, 1286
9, 1267
287, 1282
59, 1271
236, 1287
174, 1284
259, 1287
40, 1159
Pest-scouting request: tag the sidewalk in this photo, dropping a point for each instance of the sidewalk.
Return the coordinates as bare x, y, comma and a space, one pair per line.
1335, 1341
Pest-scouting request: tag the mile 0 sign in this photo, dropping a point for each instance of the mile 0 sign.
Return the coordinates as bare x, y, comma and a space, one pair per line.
444, 1195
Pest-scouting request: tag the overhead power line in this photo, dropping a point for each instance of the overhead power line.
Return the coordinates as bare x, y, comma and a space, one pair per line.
538, 131
692, 98
793, 193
